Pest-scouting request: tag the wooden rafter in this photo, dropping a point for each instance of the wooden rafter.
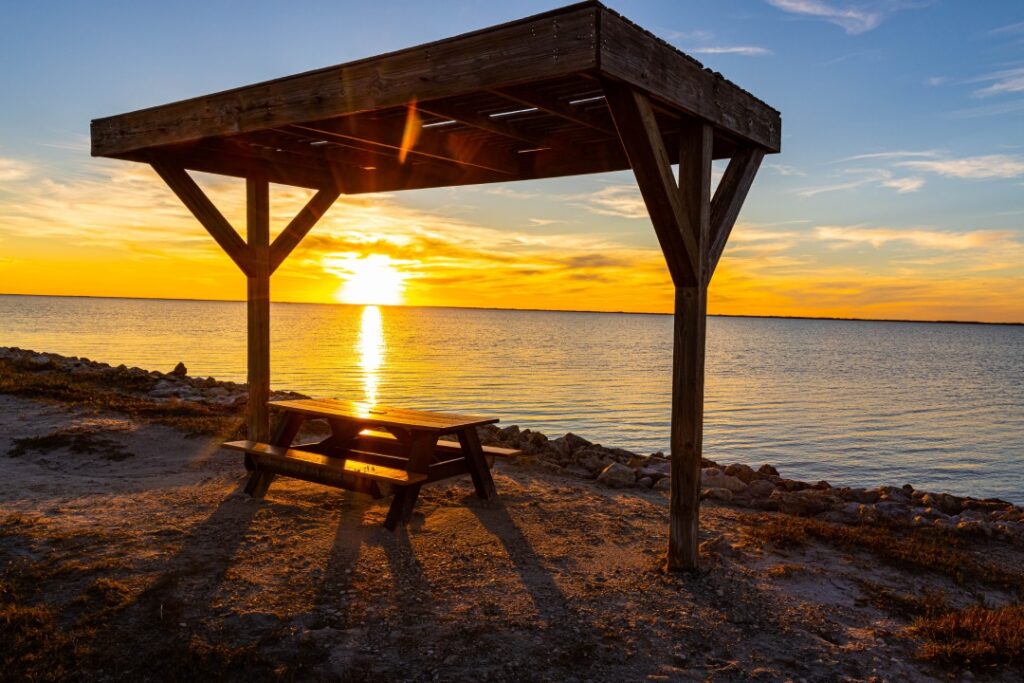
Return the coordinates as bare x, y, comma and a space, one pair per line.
482, 122
530, 97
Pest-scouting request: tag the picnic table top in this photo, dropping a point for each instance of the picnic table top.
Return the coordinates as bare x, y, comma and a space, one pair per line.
383, 416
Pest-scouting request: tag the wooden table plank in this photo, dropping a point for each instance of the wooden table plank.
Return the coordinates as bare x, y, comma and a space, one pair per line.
383, 416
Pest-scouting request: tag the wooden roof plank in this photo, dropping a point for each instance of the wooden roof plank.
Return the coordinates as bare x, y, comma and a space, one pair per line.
548, 45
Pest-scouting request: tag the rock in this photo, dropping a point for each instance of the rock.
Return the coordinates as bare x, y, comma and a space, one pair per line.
722, 494
862, 496
40, 361
656, 469
663, 484
617, 475
179, 370
715, 478
760, 488
744, 473
768, 471
822, 486
645, 482
569, 443
801, 503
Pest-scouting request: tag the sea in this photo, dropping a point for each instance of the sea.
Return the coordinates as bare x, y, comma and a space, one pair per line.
859, 403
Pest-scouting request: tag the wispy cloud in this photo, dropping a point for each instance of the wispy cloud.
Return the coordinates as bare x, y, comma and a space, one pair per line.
929, 239
867, 177
622, 201
785, 170
1001, 82
894, 154
745, 50
1008, 29
977, 167
14, 169
852, 19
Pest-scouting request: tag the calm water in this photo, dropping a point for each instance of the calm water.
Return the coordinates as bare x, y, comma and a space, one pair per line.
938, 406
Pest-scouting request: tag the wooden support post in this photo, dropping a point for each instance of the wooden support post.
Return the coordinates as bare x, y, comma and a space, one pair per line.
695, 145
258, 233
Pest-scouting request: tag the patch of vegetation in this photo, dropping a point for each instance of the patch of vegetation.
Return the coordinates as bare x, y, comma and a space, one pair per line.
120, 395
75, 439
904, 605
974, 636
922, 549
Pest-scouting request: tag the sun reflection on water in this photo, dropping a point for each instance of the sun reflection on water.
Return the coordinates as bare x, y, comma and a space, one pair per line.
371, 348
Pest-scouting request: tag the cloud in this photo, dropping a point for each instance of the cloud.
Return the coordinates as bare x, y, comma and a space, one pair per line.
1008, 29
1000, 109
895, 154
878, 177
1001, 82
851, 19
978, 167
14, 169
935, 81
745, 50
622, 201
904, 185
783, 169
928, 239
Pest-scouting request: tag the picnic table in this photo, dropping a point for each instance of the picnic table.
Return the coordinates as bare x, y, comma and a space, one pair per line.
373, 450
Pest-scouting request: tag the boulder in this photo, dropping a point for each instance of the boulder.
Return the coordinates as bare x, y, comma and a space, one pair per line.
801, 503
744, 473
715, 478
645, 482
768, 471
617, 475
760, 488
663, 484
40, 361
715, 493
179, 370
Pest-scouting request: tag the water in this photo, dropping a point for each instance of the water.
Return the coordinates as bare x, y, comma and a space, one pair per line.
857, 403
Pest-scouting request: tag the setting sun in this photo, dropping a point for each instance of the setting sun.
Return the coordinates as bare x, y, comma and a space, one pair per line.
372, 279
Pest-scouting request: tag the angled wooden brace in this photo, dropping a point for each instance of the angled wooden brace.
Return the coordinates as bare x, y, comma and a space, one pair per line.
300, 226
652, 166
729, 198
193, 197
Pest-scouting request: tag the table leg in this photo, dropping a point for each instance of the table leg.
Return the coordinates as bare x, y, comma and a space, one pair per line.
420, 455
285, 430
477, 464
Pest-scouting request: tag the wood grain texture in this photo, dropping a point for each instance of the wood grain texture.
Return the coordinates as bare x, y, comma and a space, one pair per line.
729, 197
630, 54
645, 148
193, 197
299, 227
687, 425
383, 416
258, 309
544, 46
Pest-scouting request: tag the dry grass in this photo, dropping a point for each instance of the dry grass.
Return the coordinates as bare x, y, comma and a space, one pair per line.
74, 439
116, 393
912, 548
974, 637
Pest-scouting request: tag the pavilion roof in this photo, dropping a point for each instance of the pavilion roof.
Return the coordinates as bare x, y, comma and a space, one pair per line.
516, 101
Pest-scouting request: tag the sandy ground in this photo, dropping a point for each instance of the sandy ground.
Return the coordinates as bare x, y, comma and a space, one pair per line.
149, 544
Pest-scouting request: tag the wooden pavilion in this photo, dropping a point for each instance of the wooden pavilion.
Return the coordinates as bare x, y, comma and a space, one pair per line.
572, 91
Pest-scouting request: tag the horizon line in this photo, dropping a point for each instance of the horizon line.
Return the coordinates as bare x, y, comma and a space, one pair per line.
530, 310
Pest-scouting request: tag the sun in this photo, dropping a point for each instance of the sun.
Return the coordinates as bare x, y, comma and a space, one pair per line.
372, 279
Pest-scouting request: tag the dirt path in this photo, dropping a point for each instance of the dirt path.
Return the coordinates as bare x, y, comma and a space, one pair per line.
138, 557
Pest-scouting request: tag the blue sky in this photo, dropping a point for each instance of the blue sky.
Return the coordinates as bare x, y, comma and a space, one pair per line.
903, 130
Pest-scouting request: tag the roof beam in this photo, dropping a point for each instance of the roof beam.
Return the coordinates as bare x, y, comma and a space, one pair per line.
530, 97
481, 122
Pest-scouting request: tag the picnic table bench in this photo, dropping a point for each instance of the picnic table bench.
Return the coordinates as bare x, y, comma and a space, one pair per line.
372, 450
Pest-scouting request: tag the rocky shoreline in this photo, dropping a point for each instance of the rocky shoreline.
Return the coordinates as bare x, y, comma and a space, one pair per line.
736, 484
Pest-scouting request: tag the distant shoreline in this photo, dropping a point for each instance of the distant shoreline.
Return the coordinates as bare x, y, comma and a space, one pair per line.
537, 310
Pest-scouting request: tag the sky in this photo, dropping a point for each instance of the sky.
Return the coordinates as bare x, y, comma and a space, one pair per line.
899, 192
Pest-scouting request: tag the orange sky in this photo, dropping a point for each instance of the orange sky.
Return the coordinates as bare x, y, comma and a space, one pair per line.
117, 231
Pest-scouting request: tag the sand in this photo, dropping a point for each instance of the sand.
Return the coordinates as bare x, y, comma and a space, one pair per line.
151, 563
